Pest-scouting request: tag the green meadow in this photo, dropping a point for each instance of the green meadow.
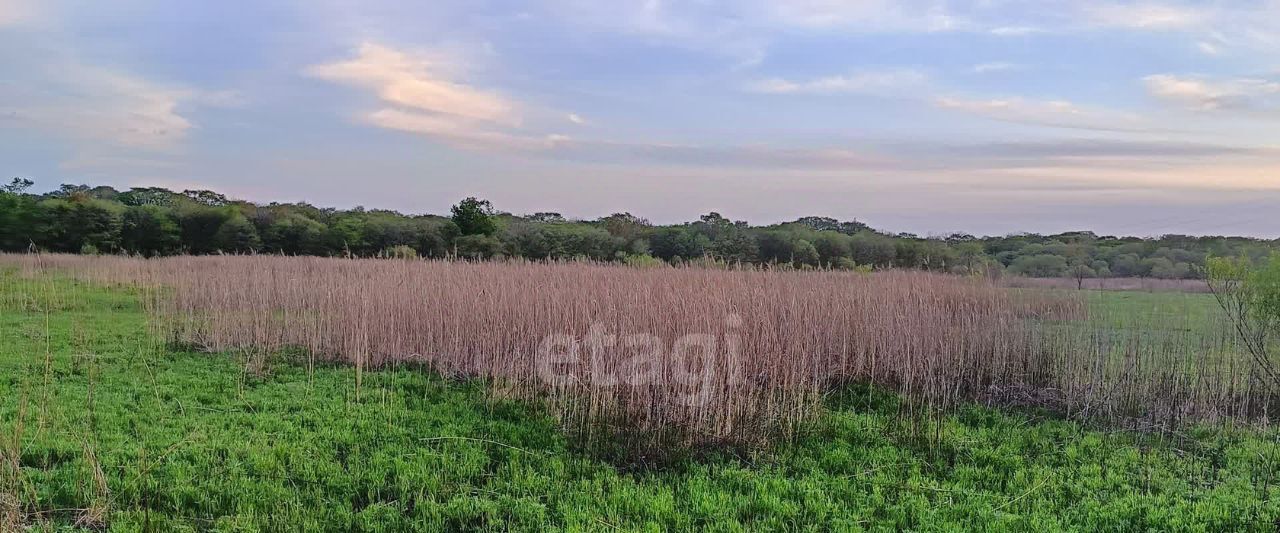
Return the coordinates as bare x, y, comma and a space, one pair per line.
103, 426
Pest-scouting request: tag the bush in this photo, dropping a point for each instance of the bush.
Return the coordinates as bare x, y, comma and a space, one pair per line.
643, 261
399, 252
478, 247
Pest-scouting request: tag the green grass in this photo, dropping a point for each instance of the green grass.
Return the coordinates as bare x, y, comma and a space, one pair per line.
1156, 311
187, 441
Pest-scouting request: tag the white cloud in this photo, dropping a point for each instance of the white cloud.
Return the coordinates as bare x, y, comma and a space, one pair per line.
1053, 113
101, 106
863, 82
995, 66
1202, 94
460, 133
872, 15
745, 29
1152, 16
413, 81
416, 94
1015, 31
574, 118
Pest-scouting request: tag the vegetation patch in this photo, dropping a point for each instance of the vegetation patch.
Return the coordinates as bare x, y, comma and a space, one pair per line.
107, 429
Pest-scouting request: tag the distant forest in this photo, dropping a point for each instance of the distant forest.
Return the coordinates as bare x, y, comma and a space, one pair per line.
156, 222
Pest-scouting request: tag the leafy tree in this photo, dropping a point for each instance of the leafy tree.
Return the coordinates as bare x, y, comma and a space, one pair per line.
832, 247
1079, 265
1040, 266
1163, 268
547, 217
16, 216
474, 217
84, 217
735, 245
478, 247
199, 225
775, 247
206, 198
806, 254
1128, 265
434, 235
295, 234
819, 223
871, 249
17, 186
1250, 297
678, 242
626, 226
237, 235
68, 225
1080, 272
68, 190
1101, 269
969, 252
150, 230
528, 240
148, 196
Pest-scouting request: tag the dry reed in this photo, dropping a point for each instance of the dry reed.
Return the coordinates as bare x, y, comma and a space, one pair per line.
765, 345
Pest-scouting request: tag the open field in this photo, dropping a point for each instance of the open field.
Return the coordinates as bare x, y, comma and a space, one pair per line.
106, 426
1109, 284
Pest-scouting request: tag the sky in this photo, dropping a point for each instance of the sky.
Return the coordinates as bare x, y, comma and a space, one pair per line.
982, 116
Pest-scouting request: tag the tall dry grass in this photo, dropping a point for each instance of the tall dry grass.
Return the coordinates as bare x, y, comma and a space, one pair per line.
677, 357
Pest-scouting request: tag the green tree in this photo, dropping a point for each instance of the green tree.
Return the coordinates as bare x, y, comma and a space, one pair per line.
199, 225
1250, 297
237, 235
478, 247
774, 246
832, 247
1079, 264
150, 230
16, 213
72, 223
678, 242
474, 217
1040, 266
871, 249
17, 186
805, 253
294, 233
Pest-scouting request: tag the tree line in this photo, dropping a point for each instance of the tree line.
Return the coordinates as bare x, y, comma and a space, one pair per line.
152, 221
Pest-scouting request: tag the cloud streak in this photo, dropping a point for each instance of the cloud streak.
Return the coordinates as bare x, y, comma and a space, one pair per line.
1146, 16
414, 82
1052, 113
416, 95
104, 107
861, 82
1208, 95
994, 66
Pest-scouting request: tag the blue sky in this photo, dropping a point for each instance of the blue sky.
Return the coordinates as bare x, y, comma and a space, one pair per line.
985, 116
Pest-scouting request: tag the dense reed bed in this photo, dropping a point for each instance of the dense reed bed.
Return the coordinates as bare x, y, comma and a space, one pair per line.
671, 358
